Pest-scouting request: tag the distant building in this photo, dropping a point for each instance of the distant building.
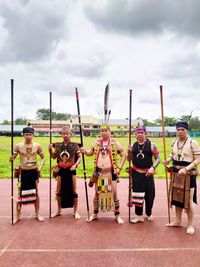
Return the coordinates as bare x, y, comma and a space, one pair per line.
90, 127
5, 130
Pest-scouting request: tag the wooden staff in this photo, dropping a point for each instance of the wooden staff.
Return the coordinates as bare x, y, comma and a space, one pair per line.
83, 158
50, 140
130, 176
164, 146
12, 147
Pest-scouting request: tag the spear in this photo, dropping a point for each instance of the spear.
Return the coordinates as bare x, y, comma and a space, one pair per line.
83, 158
164, 146
12, 147
130, 178
50, 160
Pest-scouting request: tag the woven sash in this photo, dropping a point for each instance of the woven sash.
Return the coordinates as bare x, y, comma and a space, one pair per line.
180, 190
105, 190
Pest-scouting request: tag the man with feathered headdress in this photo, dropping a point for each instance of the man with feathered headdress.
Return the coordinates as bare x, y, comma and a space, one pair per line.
106, 170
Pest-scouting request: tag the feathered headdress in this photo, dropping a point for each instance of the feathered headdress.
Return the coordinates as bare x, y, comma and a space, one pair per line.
107, 111
106, 108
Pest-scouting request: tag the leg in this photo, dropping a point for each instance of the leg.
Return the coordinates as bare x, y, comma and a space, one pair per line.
190, 213
139, 215
177, 221
149, 198
58, 190
94, 216
18, 212
75, 201
138, 182
37, 206
116, 201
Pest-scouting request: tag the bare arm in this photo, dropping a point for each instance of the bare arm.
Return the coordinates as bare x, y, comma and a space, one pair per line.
129, 154
88, 153
15, 153
156, 155
51, 151
41, 154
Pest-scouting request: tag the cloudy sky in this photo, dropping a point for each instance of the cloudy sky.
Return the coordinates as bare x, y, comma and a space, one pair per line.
56, 45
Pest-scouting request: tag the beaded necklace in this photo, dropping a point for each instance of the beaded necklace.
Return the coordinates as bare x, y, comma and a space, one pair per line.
180, 148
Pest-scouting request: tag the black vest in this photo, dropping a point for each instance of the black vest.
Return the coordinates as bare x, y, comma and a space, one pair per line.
137, 159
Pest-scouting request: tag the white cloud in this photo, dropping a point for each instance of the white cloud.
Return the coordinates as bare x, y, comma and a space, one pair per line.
140, 45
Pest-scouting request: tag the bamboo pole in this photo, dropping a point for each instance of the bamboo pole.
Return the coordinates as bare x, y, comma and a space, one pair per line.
12, 147
164, 147
50, 140
130, 176
83, 158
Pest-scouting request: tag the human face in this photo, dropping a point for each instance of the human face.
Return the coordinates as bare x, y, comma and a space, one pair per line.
140, 136
105, 134
66, 136
181, 133
28, 137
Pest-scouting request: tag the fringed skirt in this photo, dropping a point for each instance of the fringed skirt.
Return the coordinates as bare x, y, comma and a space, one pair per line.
27, 189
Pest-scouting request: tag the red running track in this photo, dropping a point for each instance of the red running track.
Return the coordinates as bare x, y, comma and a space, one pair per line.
64, 241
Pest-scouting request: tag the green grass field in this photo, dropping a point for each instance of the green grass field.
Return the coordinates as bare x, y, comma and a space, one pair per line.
5, 166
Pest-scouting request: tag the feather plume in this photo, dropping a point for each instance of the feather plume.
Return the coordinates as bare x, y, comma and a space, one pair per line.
106, 95
190, 117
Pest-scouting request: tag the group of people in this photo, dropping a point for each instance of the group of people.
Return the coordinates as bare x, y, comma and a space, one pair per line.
109, 158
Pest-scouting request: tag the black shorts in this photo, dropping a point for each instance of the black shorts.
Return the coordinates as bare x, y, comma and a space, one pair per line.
114, 177
193, 182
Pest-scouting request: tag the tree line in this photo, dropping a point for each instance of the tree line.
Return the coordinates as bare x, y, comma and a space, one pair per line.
43, 114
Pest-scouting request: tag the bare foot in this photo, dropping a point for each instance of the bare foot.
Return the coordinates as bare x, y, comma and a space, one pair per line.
190, 230
39, 218
58, 213
77, 216
119, 220
92, 218
137, 219
173, 224
16, 220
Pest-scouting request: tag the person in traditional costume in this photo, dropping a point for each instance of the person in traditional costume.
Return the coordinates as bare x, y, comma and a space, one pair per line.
185, 157
144, 156
28, 172
68, 158
106, 171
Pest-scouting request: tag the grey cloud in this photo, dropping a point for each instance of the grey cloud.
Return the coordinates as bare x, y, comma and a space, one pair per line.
185, 67
180, 17
33, 29
90, 66
85, 69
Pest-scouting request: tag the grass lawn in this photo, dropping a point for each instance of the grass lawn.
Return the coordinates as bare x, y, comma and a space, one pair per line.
5, 151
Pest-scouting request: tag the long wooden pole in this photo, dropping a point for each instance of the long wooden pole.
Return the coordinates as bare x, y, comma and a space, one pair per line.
164, 147
130, 176
50, 140
12, 147
83, 158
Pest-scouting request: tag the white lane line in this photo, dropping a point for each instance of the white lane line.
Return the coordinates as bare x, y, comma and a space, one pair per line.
99, 250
